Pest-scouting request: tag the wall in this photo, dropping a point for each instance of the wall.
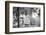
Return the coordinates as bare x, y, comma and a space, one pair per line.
2, 18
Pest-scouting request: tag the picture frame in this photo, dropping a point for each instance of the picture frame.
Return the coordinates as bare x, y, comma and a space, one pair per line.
26, 9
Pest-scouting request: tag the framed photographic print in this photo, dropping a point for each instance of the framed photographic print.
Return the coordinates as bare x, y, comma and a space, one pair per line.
24, 17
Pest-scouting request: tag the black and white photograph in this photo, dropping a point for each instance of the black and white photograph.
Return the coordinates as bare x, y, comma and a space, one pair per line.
23, 17
26, 17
